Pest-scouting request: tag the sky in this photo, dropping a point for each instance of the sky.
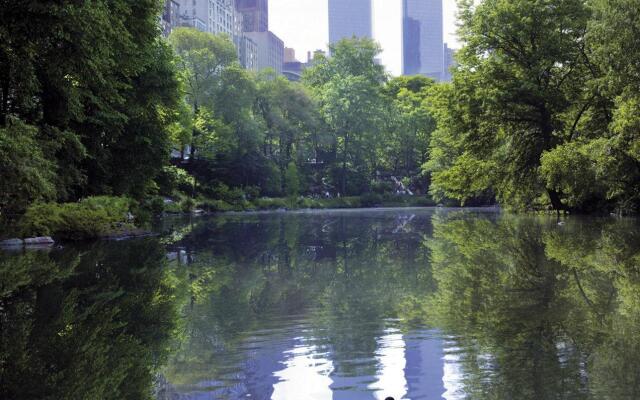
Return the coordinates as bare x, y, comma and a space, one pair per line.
304, 26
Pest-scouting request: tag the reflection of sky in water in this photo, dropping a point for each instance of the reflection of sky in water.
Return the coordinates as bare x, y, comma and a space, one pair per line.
408, 366
390, 356
452, 376
305, 375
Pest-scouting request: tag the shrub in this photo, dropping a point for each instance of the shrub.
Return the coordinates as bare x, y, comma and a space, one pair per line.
342, 202
173, 208
422, 201
252, 192
381, 187
215, 205
173, 178
266, 203
311, 203
225, 193
90, 218
371, 200
187, 204
153, 205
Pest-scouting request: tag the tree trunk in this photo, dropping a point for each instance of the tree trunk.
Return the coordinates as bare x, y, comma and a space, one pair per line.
194, 133
344, 165
556, 203
4, 108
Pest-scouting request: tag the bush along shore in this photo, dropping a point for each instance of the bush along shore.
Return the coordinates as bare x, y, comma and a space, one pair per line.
100, 217
105, 217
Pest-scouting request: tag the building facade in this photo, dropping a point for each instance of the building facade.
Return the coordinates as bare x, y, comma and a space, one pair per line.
349, 18
213, 16
270, 50
423, 47
257, 49
255, 15
248, 53
289, 55
170, 16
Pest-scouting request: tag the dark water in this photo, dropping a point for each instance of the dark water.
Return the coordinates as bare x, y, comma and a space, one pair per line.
415, 304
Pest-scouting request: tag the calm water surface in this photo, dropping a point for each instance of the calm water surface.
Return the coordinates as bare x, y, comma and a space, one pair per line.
411, 303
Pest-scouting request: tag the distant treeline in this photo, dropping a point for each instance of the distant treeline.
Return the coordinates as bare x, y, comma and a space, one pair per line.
542, 112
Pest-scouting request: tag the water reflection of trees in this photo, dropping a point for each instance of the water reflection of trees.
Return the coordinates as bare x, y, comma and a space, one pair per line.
90, 323
540, 310
346, 274
536, 310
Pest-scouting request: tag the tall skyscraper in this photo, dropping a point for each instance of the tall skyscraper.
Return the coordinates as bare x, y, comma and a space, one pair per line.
255, 15
423, 47
348, 18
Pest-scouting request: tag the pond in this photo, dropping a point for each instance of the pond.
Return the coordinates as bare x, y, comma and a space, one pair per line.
361, 304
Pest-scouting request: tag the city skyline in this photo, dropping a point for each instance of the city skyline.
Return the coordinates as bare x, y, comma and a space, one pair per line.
304, 26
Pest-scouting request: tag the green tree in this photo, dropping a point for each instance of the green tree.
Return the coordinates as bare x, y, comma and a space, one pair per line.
26, 175
520, 90
615, 153
202, 59
348, 86
292, 180
290, 118
96, 81
405, 144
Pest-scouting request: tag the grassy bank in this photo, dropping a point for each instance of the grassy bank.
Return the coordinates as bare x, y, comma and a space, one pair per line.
297, 203
109, 217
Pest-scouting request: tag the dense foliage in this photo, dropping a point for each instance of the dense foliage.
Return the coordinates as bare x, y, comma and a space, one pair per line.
542, 110
344, 130
90, 218
88, 89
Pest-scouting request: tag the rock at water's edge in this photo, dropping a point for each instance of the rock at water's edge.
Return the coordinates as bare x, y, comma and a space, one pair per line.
12, 243
39, 241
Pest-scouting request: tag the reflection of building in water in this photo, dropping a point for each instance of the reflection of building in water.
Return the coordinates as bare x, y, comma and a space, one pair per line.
254, 377
424, 371
264, 357
285, 364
